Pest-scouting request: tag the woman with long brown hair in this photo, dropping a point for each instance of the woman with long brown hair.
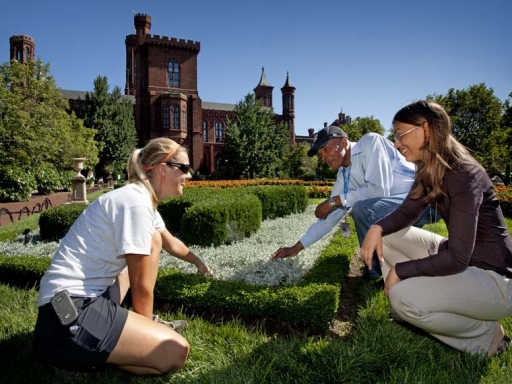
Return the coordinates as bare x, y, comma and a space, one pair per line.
454, 288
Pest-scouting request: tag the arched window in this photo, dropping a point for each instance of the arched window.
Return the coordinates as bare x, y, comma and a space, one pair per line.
173, 73
287, 102
27, 54
219, 134
18, 54
175, 112
205, 132
165, 118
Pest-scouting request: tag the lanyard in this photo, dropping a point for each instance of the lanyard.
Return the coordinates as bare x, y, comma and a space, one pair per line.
346, 179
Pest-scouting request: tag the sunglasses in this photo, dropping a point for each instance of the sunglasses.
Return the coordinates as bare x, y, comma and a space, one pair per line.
185, 168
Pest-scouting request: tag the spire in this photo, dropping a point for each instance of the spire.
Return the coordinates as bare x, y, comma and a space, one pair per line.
288, 83
263, 81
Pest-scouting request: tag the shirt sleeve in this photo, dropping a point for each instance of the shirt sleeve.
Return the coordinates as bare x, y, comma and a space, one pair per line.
377, 170
465, 194
322, 227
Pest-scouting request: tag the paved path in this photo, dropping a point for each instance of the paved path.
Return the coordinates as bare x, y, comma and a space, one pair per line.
15, 208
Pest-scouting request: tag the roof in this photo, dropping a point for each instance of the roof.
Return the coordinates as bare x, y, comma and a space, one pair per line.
219, 106
263, 80
80, 95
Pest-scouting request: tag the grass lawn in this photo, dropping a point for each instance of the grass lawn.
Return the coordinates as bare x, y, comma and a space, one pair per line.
363, 346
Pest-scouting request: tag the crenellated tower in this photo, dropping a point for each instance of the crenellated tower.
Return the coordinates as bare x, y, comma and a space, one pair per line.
288, 92
263, 91
22, 48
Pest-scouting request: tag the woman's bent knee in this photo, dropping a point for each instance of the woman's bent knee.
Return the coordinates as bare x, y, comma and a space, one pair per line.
173, 356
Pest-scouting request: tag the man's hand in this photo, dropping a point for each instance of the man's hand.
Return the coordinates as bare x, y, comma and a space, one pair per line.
285, 252
323, 209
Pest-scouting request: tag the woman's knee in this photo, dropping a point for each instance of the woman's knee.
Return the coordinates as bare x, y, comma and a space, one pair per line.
174, 355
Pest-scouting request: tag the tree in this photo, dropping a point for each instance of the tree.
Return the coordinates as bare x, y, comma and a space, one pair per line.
476, 115
35, 126
297, 164
361, 126
112, 116
255, 144
506, 125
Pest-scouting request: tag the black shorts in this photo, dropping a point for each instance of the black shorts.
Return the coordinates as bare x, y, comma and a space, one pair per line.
100, 323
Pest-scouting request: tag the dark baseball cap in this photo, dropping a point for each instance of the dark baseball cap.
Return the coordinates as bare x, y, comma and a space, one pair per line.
323, 136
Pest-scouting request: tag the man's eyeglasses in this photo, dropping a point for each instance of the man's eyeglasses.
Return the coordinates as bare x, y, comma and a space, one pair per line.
399, 137
185, 168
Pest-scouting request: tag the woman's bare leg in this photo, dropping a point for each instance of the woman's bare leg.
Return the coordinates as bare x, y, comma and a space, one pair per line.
146, 347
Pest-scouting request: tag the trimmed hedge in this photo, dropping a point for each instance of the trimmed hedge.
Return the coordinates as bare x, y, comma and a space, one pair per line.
23, 271
55, 222
312, 304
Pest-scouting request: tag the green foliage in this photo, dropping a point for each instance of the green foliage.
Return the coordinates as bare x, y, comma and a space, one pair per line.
35, 127
55, 222
255, 144
23, 271
280, 201
48, 179
333, 264
360, 126
221, 220
476, 115
112, 117
297, 164
65, 179
16, 184
312, 306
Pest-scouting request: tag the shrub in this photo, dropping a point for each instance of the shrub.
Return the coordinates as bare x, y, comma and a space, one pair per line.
55, 222
48, 179
23, 271
16, 184
65, 179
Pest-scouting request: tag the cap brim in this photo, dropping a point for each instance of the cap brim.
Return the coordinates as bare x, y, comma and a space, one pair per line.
317, 145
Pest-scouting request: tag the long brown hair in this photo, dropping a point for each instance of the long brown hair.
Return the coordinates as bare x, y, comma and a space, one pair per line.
142, 161
441, 150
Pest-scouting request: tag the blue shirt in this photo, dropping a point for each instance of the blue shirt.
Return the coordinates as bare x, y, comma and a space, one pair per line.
376, 169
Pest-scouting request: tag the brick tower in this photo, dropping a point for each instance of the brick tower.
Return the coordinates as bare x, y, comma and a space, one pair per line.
22, 48
263, 91
161, 73
288, 92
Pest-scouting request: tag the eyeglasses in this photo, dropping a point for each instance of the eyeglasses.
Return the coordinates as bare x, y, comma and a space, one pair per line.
399, 137
185, 168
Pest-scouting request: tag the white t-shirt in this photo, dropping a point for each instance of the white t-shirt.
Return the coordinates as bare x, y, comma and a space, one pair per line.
92, 254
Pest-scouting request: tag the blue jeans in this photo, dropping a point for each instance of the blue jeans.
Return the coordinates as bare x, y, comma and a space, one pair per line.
369, 211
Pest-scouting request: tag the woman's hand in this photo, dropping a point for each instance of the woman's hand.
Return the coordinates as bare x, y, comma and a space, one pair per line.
372, 242
206, 271
391, 280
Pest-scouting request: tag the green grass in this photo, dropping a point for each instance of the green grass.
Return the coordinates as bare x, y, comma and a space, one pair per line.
376, 350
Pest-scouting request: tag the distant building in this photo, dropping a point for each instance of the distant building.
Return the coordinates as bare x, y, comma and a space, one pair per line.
161, 81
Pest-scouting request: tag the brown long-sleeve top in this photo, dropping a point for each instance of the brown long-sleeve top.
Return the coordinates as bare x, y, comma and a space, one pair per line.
477, 233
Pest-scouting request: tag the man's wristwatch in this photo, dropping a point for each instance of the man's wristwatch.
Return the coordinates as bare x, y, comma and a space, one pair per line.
332, 203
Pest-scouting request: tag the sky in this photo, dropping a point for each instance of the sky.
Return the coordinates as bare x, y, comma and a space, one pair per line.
363, 57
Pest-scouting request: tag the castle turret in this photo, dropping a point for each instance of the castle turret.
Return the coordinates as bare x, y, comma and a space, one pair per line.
263, 91
22, 48
288, 92
142, 24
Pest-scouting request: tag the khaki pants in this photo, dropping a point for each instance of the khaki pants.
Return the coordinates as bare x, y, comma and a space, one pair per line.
461, 310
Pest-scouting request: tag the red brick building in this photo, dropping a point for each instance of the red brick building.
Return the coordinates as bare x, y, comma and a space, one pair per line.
161, 73
161, 81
